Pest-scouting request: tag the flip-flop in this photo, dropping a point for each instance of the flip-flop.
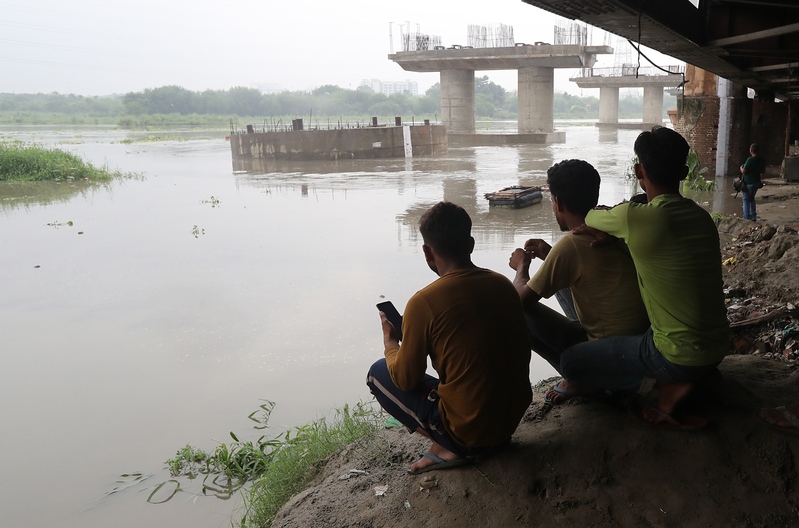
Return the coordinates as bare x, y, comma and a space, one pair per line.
788, 414
562, 397
659, 419
439, 463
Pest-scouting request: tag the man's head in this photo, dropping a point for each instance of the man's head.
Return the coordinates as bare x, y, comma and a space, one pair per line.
574, 186
663, 152
754, 149
446, 229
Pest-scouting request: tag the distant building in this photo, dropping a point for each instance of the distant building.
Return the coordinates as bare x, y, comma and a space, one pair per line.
392, 87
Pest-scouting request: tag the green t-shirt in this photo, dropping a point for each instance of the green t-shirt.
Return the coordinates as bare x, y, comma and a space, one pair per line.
675, 247
602, 282
753, 168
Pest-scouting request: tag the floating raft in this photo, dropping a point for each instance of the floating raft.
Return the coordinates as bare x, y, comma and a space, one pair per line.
515, 197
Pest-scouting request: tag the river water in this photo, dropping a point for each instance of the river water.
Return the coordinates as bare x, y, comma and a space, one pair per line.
162, 309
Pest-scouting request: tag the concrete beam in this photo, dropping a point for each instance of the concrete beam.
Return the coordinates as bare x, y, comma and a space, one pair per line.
508, 58
457, 100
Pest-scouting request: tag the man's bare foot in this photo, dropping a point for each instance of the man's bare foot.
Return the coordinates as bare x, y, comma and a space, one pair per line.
436, 450
786, 417
670, 394
565, 390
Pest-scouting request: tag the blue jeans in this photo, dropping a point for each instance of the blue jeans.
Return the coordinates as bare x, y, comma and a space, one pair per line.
748, 192
630, 364
551, 333
417, 408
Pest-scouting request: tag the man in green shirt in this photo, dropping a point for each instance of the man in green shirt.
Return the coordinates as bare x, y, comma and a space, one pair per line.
675, 247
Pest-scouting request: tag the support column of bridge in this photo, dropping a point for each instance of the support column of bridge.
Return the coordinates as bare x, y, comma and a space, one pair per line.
457, 100
653, 105
608, 105
536, 99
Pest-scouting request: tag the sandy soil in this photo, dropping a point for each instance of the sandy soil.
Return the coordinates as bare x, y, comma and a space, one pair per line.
591, 463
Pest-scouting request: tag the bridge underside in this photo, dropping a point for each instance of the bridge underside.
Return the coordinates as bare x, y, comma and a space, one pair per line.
754, 43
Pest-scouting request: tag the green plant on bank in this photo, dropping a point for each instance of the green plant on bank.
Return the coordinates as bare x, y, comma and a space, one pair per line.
694, 181
277, 467
21, 162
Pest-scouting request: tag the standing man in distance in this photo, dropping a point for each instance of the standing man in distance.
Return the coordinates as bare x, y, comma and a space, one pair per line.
751, 171
469, 322
601, 281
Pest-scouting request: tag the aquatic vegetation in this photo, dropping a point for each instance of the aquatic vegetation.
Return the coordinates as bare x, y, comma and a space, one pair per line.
21, 162
153, 139
213, 201
277, 467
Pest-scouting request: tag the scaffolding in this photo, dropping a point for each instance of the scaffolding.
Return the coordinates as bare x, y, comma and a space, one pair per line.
499, 36
571, 34
420, 42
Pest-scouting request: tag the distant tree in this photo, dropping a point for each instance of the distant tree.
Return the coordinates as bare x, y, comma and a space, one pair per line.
245, 101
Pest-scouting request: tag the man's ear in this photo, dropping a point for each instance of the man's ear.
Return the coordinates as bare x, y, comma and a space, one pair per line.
428, 253
471, 246
558, 204
640, 172
684, 173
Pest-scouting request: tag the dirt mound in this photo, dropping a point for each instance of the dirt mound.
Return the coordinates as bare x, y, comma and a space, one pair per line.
584, 463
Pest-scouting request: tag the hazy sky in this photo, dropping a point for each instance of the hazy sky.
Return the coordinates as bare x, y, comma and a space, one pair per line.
100, 47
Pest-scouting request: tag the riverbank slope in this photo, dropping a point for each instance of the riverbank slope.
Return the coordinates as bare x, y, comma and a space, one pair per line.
591, 463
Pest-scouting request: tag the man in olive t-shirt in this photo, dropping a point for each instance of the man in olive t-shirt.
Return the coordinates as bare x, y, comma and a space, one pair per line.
602, 281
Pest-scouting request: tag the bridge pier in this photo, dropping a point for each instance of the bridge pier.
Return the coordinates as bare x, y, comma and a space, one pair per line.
536, 99
653, 105
608, 105
457, 100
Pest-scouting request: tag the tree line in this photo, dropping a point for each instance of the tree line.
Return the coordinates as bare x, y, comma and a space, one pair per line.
491, 101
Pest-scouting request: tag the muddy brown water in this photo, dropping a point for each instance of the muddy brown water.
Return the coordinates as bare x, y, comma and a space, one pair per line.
176, 302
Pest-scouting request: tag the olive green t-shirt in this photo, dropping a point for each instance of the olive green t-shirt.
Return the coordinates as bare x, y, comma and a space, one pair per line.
603, 284
675, 247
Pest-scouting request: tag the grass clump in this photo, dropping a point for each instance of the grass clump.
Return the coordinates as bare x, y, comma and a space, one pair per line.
277, 468
21, 162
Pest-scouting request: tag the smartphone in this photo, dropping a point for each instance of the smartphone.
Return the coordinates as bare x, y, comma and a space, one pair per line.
392, 315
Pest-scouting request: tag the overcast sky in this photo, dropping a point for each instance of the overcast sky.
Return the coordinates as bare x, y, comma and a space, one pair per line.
101, 47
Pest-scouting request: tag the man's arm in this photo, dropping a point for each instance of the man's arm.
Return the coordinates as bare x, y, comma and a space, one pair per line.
406, 363
520, 261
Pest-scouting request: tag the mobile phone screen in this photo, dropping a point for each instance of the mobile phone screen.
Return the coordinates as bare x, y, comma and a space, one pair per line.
392, 315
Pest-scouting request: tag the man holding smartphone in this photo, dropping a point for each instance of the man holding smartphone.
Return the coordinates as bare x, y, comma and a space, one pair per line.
470, 323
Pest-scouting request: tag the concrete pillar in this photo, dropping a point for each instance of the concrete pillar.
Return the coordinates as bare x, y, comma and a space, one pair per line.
457, 100
536, 100
653, 104
608, 104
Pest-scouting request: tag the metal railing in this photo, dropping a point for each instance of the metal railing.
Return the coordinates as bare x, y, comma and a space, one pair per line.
629, 70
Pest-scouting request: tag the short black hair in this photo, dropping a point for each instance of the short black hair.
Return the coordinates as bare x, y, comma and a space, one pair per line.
575, 183
663, 153
446, 227
753, 148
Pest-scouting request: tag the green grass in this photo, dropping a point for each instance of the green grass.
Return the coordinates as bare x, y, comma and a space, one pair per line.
277, 468
21, 162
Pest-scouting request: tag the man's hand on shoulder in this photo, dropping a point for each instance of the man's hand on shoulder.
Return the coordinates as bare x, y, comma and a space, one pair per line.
537, 248
601, 238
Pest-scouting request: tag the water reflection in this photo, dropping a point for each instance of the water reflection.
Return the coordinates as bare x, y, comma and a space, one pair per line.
15, 195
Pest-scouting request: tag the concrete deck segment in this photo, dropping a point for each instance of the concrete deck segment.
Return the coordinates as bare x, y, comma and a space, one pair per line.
511, 58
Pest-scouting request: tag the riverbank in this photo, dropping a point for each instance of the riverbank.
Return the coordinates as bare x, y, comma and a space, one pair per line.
590, 463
